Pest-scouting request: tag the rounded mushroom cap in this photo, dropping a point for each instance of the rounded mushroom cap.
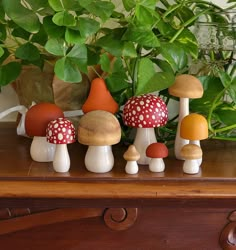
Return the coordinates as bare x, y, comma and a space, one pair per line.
99, 128
131, 154
38, 117
157, 150
194, 127
145, 111
60, 131
191, 152
186, 86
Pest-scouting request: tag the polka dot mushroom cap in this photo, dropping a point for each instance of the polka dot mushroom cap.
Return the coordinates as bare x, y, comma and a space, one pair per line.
60, 131
145, 111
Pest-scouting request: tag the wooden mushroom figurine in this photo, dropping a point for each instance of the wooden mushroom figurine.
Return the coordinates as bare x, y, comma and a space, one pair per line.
131, 155
36, 121
99, 130
185, 87
99, 98
191, 153
194, 127
157, 151
61, 132
145, 112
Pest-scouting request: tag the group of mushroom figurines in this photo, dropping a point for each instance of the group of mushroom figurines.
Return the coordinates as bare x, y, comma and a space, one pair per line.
99, 129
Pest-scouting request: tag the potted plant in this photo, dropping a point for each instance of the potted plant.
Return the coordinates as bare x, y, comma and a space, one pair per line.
141, 45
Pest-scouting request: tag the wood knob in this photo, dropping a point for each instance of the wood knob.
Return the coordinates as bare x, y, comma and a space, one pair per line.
120, 218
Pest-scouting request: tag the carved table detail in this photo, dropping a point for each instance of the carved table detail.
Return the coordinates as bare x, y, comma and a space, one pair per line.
120, 218
228, 235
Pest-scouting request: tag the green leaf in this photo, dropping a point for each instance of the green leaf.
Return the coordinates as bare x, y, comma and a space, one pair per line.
88, 26
20, 32
174, 55
226, 113
212, 87
25, 18
129, 50
3, 33
56, 47
73, 37
149, 80
144, 15
129, 4
42, 7
28, 52
105, 63
111, 45
1, 51
102, 9
61, 5
9, 72
142, 36
189, 43
64, 18
67, 70
79, 54
51, 28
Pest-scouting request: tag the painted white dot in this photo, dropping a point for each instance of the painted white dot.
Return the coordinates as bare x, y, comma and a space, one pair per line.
141, 117
153, 117
56, 125
141, 103
138, 108
60, 136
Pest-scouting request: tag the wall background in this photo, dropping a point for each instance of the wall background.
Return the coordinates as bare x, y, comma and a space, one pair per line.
8, 98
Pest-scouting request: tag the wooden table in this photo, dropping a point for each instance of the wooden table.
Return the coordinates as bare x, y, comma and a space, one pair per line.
41, 209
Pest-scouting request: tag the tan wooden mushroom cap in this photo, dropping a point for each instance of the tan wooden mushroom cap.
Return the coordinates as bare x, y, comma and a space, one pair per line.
186, 86
131, 154
191, 152
194, 127
99, 128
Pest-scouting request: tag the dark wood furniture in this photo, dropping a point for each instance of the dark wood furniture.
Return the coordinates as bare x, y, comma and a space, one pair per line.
41, 209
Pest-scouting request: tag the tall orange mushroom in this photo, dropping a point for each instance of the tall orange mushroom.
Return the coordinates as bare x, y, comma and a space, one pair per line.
100, 98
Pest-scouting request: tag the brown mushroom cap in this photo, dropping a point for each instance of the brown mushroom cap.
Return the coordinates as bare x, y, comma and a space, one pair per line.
191, 152
131, 154
194, 127
38, 117
157, 150
186, 86
99, 128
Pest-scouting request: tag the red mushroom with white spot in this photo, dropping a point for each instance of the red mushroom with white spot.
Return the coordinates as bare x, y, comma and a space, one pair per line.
61, 132
157, 151
145, 112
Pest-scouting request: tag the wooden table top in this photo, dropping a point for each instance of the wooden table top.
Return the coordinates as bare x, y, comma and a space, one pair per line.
20, 177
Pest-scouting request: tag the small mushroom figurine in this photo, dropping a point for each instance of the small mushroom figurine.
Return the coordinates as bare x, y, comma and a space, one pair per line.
157, 151
191, 153
194, 127
131, 155
185, 87
61, 132
145, 112
36, 120
99, 130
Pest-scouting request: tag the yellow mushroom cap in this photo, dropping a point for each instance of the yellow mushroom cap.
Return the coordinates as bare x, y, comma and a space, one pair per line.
131, 154
191, 152
186, 86
194, 127
99, 128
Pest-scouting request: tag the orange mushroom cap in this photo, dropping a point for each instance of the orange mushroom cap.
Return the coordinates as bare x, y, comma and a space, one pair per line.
194, 127
38, 117
100, 98
157, 150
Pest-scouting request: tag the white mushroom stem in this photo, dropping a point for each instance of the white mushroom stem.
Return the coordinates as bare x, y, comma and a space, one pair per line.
61, 161
180, 142
144, 137
131, 167
156, 165
41, 150
191, 166
99, 159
